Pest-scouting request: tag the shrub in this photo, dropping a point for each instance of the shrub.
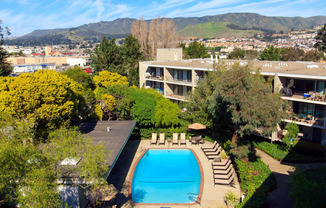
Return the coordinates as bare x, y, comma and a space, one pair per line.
230, 198
276, 151
256, 185
302, 152
146, 133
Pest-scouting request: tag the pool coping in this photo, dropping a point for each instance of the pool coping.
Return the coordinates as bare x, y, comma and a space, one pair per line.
180, 204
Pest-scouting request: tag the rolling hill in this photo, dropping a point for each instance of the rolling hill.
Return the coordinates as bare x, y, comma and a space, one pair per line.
215, 30
207, 26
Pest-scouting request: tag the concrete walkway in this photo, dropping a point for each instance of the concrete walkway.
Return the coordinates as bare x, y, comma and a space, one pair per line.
279, 198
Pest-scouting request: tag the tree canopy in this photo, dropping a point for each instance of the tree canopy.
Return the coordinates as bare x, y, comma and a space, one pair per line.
131, 57
196, 50
237, 53
107, 56
270, 53
5, 66
238, 99
107, 79
321, 39
118, 59
45, 98
29, 172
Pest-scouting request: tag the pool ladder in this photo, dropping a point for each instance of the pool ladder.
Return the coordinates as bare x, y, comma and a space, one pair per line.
193, 197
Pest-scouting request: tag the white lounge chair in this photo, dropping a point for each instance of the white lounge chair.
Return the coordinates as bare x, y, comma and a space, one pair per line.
183, 138
224, 182
175, 138
211, 150
154, 138
162, 139
223, 176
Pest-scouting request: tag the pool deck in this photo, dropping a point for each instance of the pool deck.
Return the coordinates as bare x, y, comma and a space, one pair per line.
212, 195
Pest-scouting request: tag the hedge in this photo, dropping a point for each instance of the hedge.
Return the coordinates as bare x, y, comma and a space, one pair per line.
303, 152
256, 186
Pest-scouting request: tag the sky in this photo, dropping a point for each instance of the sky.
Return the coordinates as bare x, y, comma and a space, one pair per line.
25, 16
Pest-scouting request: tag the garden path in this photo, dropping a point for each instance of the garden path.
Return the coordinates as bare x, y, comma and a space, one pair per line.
279, 198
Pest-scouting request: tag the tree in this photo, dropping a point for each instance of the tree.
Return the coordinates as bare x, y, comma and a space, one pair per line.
132, 56
270, 53
143, 108
166, 112
5, 67
139, 29
47, 99
237, 98
161, 33
29, 171
106, 79
237, 53
313, 55
321, 39
24, 171
197, 50
197, 105
292, 54
85, 80
107, 56
290, 138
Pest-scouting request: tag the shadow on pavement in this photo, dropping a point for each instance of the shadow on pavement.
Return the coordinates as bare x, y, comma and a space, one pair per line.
120, 170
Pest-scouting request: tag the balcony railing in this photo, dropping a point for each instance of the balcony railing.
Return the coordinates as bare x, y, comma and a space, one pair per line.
159, 78
307, 119
175, 95
181, 81
313, 96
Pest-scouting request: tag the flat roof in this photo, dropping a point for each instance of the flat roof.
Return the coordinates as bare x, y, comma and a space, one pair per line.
282, 68
114, 140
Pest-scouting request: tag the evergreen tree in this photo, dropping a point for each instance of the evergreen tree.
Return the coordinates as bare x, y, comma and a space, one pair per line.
271, 53
238, 99
5, 67
197, 50
107, 56
132, 55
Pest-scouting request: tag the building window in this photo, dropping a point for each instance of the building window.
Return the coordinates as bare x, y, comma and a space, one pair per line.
182, 75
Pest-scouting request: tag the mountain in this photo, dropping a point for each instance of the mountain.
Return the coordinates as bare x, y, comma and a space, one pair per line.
186, 26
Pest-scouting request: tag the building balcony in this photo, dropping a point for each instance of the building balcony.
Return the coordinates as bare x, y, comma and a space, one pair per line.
175, 96
307, 120
307, 97
178, 81
154, 78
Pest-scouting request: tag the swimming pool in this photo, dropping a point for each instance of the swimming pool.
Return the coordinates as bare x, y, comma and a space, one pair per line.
166, 176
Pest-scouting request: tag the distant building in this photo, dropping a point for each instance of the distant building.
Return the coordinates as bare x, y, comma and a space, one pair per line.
24, 68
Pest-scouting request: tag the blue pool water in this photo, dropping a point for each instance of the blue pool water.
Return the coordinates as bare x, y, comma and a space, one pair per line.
166, 176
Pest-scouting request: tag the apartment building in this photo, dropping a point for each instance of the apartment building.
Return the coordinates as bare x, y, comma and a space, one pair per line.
302, 84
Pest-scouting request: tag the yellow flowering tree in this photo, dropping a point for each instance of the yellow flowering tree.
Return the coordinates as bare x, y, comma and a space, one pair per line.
108, 79
45, 98
103, 81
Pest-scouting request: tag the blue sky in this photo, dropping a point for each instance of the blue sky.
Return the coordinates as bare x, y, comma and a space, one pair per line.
24, 16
